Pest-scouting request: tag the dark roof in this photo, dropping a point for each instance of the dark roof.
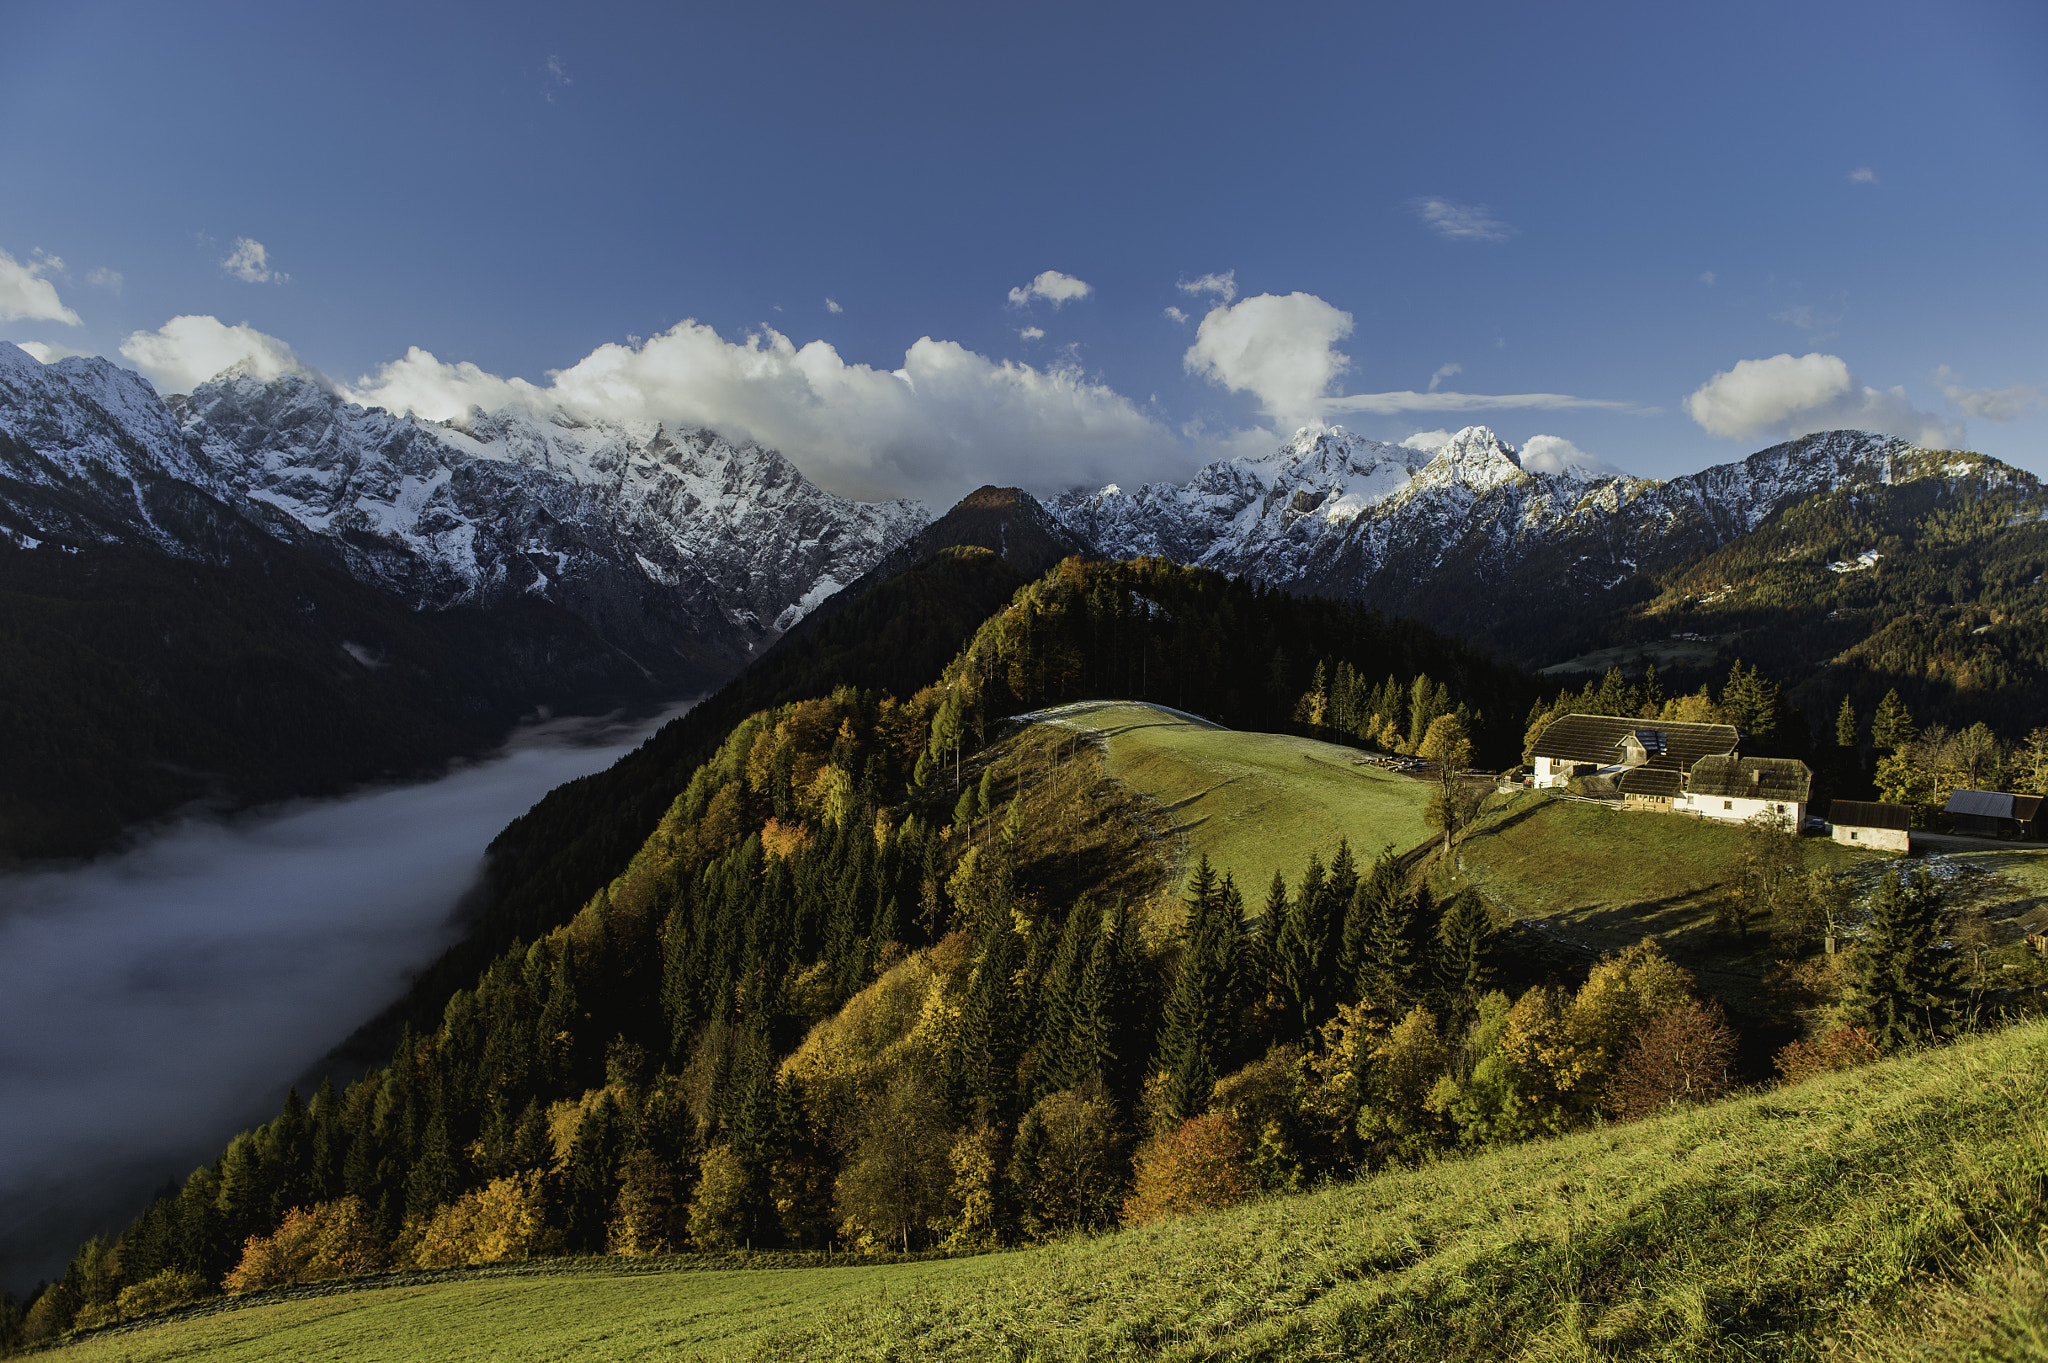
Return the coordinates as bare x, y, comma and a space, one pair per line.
1752, 778
1985, 804
1665, 785
2026, 807
1869, 814
1599, 738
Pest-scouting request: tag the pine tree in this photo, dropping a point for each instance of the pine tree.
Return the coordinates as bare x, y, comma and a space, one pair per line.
1845, 724
1198, 1033
1892, 728
1458, 965
1905, 981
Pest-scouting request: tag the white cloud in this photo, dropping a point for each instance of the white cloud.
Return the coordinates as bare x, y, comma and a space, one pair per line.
1809, 318
25, 296
1707, 279
1175, 315
1555, 454
1224, 285
1055, 288
104, 278
187, 351
1429, 442
948, 420
47, 352
1444, 371
1461, 222
1993, 404
1032, 333
1279, 348
1408, 400
249, 262
554, 77
1789, 396
833, 307
1863, 175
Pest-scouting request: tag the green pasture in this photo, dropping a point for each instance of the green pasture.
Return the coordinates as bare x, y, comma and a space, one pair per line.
1888, 1211
1255, 803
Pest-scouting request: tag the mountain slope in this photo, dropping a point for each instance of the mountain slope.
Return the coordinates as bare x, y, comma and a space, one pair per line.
1466, 539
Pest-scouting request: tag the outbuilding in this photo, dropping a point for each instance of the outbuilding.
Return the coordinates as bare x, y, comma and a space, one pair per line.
1994, 814
1872, 823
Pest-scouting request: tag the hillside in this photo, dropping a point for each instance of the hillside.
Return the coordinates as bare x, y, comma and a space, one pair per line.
1883, 1211
1252, 803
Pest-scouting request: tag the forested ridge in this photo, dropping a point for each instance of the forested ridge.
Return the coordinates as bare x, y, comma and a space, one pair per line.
888, 975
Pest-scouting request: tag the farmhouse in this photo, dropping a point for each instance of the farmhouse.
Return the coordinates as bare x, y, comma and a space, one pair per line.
1872, 823
1670, 767
1995, 814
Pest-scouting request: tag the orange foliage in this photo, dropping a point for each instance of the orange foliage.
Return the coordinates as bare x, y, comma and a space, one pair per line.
1844, 1048
330, 1240
1197, 1166
784, 840
1682, 1055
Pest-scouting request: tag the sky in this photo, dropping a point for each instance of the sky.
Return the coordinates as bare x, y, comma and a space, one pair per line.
921, 247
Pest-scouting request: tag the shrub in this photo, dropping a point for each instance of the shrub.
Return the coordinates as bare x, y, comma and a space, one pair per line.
330, 1240
1682, 1055
504, 1219
1197, 1166
1842, 1049
163, 1292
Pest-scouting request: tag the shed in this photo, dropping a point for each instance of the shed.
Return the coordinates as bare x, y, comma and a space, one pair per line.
1872, 823
1994, 814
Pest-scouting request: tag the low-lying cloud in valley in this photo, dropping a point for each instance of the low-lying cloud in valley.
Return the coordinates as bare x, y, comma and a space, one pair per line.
153, 1003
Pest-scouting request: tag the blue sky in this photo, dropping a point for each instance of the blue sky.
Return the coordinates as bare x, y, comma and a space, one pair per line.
1553, 205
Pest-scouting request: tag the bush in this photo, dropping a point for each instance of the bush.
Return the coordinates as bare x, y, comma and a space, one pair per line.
504, 1219
330, 1240
165, 1291
1197, 1166
1842, 1049
1682, 1055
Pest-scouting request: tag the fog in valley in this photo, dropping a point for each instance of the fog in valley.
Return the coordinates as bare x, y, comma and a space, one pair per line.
156, 1002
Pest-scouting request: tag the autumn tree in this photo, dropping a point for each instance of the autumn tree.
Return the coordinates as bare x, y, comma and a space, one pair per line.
895, 1183
1682, 1055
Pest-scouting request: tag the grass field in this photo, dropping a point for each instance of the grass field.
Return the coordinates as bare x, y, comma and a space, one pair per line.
1889, 1211
1255, 803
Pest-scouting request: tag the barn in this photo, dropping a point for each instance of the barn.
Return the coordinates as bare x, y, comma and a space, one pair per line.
1647, 760
1995, 814
1872, 823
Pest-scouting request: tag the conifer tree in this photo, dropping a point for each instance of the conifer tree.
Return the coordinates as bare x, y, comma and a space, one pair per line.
1892, 728
1199, 1032
1459, 965
1845, 724
1905, 980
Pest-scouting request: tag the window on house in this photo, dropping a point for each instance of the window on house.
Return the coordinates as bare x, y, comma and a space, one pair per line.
1852, 836
1727, 804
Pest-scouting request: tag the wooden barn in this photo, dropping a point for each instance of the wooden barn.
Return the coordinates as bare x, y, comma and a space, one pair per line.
1996, 814
1737, 789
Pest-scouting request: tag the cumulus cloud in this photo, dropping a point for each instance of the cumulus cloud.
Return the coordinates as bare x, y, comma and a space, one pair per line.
1279, 348
187, 351
1789, 396
1175, 315
46, 352
1460, 222
1993, 404
1444, 371
946, 421
26, 296
1055, 288
248, 261
1032, 333
1707, 279
1223, 286
1555, 454
1429, 442
833, 307
1863, 175
104, 278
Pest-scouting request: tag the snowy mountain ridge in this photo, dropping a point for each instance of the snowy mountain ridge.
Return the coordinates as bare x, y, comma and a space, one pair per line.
667, 541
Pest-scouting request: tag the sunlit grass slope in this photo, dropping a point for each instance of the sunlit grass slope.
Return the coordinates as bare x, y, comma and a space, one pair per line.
1254, 802
1844, 1213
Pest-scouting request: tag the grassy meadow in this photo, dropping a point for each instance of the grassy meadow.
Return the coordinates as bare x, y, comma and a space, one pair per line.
1883, 1212
1254, 802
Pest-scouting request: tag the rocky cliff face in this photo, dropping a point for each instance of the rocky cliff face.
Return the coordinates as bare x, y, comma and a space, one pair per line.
1465, 537
685, 551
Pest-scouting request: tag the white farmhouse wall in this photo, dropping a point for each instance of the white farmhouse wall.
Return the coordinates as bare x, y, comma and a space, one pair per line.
1883, 839
1737, 809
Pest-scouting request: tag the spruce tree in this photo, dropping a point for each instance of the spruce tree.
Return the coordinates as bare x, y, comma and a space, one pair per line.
1197, 1035
1892, 728
1459, 966
1905, 980
1845, 725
